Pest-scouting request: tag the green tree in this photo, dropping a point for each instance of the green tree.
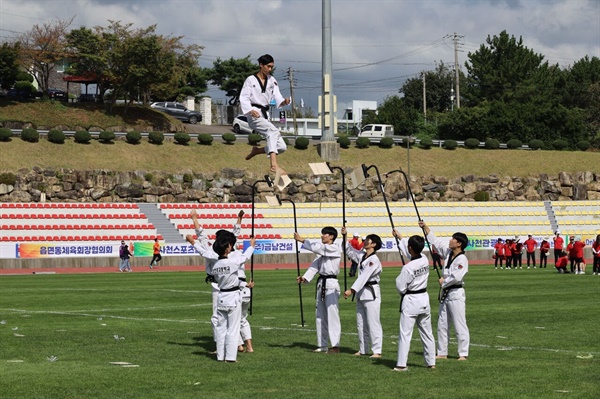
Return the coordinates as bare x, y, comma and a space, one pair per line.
438, 84
395, 112
9, 64
43, 48
230, 75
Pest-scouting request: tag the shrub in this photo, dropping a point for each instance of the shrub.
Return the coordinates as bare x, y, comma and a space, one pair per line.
286, 141
514, 144
426, 143
133, 137
106, 136
492, 144
344, 141
229, 138
302, 143
82, 137
472, 143
156, 138
182, 138
583, 145
205, 139
450, 144
56, 136
254, 138
560, 144
596, 142
30, 135
148, 176
362, 142
188, 177
5, 134
386, 142
535, 144
8, 178
482, 196
548, 146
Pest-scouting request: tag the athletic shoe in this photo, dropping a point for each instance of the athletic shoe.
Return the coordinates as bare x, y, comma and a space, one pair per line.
529, 267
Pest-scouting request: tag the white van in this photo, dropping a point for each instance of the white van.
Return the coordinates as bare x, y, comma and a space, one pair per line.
376, 132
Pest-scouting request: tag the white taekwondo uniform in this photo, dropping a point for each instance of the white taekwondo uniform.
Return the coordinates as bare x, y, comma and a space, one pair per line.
412, 286
327, 264
453, 303
258, 97
368, 300
205, 250
229, 307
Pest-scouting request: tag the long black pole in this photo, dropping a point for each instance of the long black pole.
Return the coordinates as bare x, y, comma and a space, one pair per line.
297, 256
412, 197
270, 183
387, 206
344, 236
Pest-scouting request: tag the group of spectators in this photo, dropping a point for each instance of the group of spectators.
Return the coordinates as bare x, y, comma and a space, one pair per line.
572, 255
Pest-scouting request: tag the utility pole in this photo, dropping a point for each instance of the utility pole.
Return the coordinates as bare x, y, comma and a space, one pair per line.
291, 76
424, 98
456, 69
328, 148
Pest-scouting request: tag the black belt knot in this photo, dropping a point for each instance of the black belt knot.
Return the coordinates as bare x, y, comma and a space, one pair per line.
263, 109
323, 278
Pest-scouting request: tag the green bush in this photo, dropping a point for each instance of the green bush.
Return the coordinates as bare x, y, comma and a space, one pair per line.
8, 178
156, 138
492, 144
188, 178
386, 142
344, 141
583, 145
301, 143
106, 136
560, 144
482, 196
254, 138
24, 87
362, 142
426, 143
30, 135
133, 137
514, 144
148, 176
286, 141
82, 137
536, 144
548, 146
56, 136
205, 139
182, 138
5, 134
450, 144
472, 143
229, 138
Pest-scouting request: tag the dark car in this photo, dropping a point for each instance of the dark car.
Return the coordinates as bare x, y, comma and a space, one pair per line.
58, 94
88, 97
178, 111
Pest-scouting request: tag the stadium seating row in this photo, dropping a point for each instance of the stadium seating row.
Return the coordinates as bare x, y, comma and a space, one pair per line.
67, 205
76, 226
51, 238
73, 216
205, 206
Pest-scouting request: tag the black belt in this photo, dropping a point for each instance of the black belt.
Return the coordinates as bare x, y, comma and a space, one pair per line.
422, 290
242, 279
445, 291
324, 277
210, 279
230, 289
263, 109
370, 284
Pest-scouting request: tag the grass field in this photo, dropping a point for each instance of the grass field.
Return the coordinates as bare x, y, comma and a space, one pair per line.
534, 334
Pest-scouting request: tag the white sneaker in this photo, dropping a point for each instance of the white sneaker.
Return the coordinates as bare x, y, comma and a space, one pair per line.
528, 267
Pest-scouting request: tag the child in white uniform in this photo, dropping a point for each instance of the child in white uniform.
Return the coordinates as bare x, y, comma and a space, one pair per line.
412, 286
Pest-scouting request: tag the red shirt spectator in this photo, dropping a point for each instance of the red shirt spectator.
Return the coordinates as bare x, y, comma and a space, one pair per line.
499, 248
530, 244
356, 243
544, 246
578, 249
558, 242
562, 262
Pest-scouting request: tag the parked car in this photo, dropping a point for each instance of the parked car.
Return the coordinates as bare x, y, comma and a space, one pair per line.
58, 94
240, 125
376, 132
178, 111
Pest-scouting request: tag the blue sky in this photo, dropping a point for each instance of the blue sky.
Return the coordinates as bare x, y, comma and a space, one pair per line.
378, 44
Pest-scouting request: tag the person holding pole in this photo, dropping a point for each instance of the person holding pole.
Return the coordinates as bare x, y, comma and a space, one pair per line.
229, 306
414, 305
368, 294
203, 248
327, 265
255, 99
452, 311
